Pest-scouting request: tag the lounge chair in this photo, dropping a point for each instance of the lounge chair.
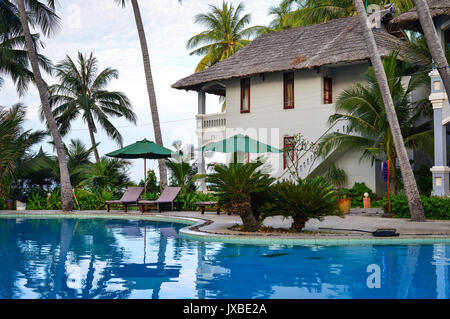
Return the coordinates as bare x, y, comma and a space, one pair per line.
130, 198
167, 197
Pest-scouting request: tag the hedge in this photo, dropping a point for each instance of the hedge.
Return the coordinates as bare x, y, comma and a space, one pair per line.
434, 207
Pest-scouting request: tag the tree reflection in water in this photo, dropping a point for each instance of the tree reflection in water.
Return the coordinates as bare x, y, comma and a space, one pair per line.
100, 258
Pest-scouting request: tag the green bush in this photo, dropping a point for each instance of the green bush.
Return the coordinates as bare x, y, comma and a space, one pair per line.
2, 203
434, 207
303, 200
356, 193
187, 201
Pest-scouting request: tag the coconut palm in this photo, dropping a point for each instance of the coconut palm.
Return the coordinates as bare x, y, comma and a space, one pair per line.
281, 14
42, 15
81, 91
150, 87
412, 192
15, 144
226, 34
13, 57
318, 11
433, 42
362, 107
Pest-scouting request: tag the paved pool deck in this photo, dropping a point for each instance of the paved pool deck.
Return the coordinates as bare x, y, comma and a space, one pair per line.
331, 230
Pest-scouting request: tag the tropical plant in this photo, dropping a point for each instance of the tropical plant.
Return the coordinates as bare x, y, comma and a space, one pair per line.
15, 144
14, 60
434, 42
42, 16
150, 87
336, 176
302, 200
110, 174
183, 174
282, 20
13, 56
361, 107
412, 192
81, 91
318, 11
235, 185
225, 35
78, 159
152, 182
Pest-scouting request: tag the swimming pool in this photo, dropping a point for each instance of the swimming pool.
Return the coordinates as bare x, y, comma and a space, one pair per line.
104, 258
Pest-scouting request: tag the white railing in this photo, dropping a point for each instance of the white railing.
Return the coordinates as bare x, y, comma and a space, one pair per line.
211, 120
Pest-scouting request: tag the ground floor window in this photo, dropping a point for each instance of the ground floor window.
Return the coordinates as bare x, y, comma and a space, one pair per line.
288, 148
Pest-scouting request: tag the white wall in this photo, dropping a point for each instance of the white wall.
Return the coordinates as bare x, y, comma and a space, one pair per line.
309, 117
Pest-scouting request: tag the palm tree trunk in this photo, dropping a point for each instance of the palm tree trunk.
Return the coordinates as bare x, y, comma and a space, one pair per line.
412, 193
150, 90
434, 44
66, 187
94, 144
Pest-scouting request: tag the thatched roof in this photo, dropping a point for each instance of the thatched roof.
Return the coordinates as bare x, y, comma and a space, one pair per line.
410, 19
335, 42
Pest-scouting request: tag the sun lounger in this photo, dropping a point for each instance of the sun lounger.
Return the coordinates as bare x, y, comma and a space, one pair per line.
167, 197
203, 205
130, 198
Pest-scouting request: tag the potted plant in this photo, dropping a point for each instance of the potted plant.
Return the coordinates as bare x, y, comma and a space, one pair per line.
344, 201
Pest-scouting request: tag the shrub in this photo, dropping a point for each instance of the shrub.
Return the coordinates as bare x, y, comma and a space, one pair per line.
187, 201
356, 193
308, 198
2, 203
434, 207
235, 185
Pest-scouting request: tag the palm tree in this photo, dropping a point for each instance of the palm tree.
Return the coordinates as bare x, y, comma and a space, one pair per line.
44, 17
412, 192
368, 126
319, 11
150, 87
235, 186
107, 175
225, 35
13, 57
82, 92
433, 42
15, 144
78, 158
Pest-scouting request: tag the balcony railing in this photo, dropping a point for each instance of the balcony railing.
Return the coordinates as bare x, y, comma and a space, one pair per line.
215, 120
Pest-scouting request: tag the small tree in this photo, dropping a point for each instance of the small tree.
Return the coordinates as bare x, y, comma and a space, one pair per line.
297, 152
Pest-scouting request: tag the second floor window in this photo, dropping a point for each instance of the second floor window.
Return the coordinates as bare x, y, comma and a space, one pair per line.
245, 95
327, 91
288, 88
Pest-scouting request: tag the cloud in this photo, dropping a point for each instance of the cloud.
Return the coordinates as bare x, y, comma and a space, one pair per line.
110, 32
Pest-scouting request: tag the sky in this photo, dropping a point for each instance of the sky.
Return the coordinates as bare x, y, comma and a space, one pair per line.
107, 30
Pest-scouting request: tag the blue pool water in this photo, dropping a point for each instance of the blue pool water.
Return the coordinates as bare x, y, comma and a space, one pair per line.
99, 258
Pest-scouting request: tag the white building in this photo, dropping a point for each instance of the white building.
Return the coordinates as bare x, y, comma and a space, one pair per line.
287, 82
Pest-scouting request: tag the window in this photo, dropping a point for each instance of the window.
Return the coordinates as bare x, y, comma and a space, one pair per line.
327, 91
245, 95
288, 148
288, 89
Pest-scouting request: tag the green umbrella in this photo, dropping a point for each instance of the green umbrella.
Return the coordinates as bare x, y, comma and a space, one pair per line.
239, 143
142, 149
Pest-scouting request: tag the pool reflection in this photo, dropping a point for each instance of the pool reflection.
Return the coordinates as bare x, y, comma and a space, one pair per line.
99, 258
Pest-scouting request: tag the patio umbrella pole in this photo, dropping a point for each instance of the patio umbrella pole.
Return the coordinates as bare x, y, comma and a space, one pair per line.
145, 178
